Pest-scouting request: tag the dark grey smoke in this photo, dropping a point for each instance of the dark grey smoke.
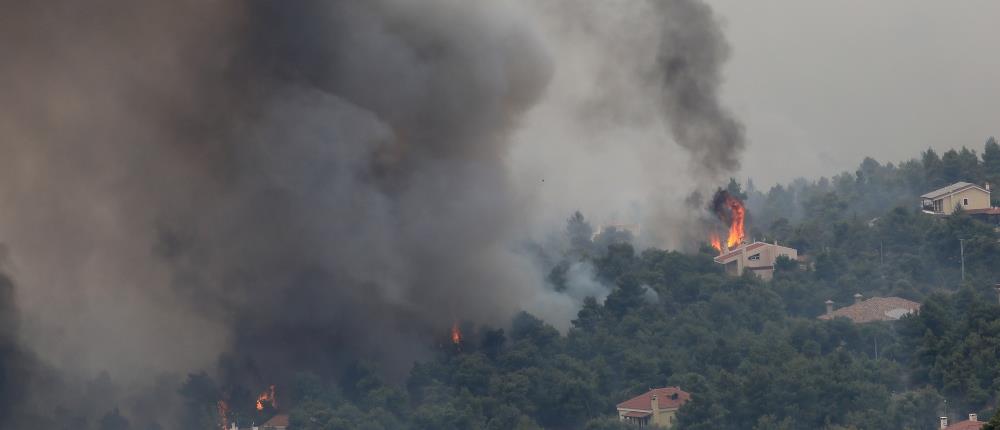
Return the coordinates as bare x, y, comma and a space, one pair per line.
692, 51
365, 203
293, 184
324, 181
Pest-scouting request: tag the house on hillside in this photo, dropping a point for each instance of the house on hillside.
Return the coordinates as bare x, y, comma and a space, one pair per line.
757, 257
972, 423
873, 309
655, 407
277, 422
970, 197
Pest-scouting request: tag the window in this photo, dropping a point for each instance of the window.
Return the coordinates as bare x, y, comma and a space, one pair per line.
754, 257
965, 202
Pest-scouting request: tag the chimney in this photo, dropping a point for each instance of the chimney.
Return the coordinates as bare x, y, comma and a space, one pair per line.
987, 186
829, 307
857, 298
655, 406
944, 423
973, 416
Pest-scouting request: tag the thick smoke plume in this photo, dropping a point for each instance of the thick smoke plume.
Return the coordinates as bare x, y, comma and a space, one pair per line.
291, 184
692, 51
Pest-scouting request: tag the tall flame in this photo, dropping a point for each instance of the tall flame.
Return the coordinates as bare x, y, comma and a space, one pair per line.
456, 334
223, 409
736, 233
267, 397
730, 210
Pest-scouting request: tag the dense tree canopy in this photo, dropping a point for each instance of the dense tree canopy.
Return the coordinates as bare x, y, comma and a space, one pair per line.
752, 353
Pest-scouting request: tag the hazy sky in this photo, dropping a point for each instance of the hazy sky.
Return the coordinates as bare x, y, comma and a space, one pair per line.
820, 85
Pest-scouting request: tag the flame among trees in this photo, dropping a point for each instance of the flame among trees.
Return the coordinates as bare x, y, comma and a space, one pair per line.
456, 334
731, 211
266, 404
267, 397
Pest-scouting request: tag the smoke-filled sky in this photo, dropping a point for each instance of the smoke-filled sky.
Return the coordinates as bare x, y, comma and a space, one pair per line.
311, 182
820, 85
307, 183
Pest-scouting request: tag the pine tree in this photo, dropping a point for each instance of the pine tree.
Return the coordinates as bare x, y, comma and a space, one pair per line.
951, 167
991, 160
932, 168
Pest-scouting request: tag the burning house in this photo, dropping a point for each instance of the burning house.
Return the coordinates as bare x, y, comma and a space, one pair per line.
734, 252
758, 257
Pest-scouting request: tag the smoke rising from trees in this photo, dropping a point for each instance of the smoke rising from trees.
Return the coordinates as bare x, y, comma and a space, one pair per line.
302, 183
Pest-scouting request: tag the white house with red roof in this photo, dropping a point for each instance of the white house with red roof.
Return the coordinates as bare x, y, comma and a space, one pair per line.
757, 257
655, 407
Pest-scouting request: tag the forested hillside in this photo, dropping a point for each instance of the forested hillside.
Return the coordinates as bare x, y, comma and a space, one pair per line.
751, 353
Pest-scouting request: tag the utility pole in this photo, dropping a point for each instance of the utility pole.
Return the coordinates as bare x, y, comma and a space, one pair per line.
946, 407
961, 245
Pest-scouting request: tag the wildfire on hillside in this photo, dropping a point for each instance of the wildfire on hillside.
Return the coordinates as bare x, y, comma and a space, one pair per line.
731, 211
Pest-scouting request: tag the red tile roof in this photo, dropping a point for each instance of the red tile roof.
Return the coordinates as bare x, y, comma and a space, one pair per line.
667, 397
966, 425
875, 309
280, 420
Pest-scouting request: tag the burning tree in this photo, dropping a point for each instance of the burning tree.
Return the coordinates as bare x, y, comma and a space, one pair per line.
267, 397
731, 211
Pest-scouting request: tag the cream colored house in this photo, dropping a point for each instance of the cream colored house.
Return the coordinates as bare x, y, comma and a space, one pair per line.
960, 194
656, 407
757, 257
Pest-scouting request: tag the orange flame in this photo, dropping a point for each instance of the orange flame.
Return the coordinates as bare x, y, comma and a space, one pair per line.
729, 209
736, 233
456, 334
267, 397
223, 408
715, 241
